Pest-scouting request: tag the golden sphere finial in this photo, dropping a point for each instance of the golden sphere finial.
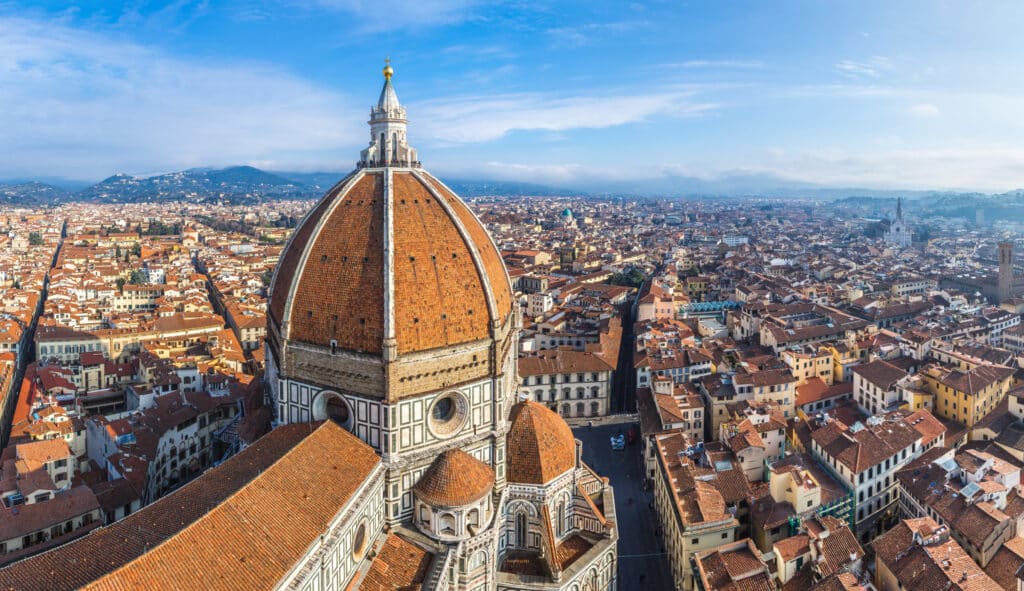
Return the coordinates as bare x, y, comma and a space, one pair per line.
388, 71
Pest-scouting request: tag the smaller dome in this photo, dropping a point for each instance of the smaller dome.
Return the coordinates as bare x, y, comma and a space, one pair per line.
540, 445
454, 479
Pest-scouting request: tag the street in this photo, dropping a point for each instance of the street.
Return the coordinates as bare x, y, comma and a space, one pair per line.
642, 564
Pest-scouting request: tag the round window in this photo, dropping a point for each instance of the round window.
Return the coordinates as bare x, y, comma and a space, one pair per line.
359, 542
331, 406
448, 414
337, 410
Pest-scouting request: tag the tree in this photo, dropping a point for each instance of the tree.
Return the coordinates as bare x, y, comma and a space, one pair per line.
631, 278
35, 239
138, 277
120, 285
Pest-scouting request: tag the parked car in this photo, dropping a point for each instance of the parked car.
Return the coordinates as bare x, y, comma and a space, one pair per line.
618, 442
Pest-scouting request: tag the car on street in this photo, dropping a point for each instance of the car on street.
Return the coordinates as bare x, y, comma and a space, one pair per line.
618, 442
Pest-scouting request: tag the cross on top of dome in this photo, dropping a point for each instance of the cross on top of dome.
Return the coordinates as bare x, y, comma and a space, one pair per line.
388, 143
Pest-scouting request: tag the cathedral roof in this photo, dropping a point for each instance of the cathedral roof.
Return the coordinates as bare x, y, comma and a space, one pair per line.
390, 255
454, 479
539, 445
241, 525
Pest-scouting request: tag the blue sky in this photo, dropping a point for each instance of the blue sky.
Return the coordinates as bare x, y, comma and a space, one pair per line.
888, 94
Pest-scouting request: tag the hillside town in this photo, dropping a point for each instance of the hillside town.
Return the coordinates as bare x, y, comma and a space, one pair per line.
808, 403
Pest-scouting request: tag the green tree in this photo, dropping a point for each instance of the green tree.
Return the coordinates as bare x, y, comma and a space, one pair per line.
35, 239
631, 278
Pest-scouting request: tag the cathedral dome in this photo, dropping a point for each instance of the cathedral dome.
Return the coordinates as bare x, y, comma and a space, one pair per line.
539, 446
390, 258
454, 479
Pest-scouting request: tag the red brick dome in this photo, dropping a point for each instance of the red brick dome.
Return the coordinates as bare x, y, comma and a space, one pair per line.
389, 253
539, 446
454, 479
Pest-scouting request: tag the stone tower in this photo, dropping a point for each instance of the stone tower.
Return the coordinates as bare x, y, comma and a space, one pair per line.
1005, 270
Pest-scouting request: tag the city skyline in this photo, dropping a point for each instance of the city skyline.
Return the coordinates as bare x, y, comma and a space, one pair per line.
911, 96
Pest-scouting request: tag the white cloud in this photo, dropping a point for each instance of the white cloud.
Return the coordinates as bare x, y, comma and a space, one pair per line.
872, 68
385, 15
587, 33
484, 118
994, 169
987, 168
924, 110
78, 104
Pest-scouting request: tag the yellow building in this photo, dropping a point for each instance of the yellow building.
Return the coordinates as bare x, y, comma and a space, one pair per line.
692, 512
810, 362
966, 396
696, 287
844, 358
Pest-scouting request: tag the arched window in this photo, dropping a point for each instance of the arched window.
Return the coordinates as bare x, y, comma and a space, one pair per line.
561, 518
479, 559
565, 410
595, 408
579, 409
473, 518
448, 524
520, 540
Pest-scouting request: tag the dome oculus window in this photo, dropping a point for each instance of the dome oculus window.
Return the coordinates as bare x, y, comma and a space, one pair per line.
448, 414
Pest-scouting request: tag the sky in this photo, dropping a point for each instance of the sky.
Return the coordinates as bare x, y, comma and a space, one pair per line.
875, 94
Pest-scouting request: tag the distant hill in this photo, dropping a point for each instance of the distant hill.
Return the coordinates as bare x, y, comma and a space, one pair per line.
246, 184
31, 193
234, 184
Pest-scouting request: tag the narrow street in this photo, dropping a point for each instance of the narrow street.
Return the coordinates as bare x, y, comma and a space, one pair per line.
643, 565
623, 385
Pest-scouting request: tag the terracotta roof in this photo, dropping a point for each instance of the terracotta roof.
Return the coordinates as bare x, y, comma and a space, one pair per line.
1006, 562
934, 561
454, 479
793, 546
559, 361
286, 482
866, 447
330, 284
343, 273
880, 373
540, 445
400, 566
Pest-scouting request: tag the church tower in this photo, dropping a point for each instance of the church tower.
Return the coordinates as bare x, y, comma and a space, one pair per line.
899, 234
